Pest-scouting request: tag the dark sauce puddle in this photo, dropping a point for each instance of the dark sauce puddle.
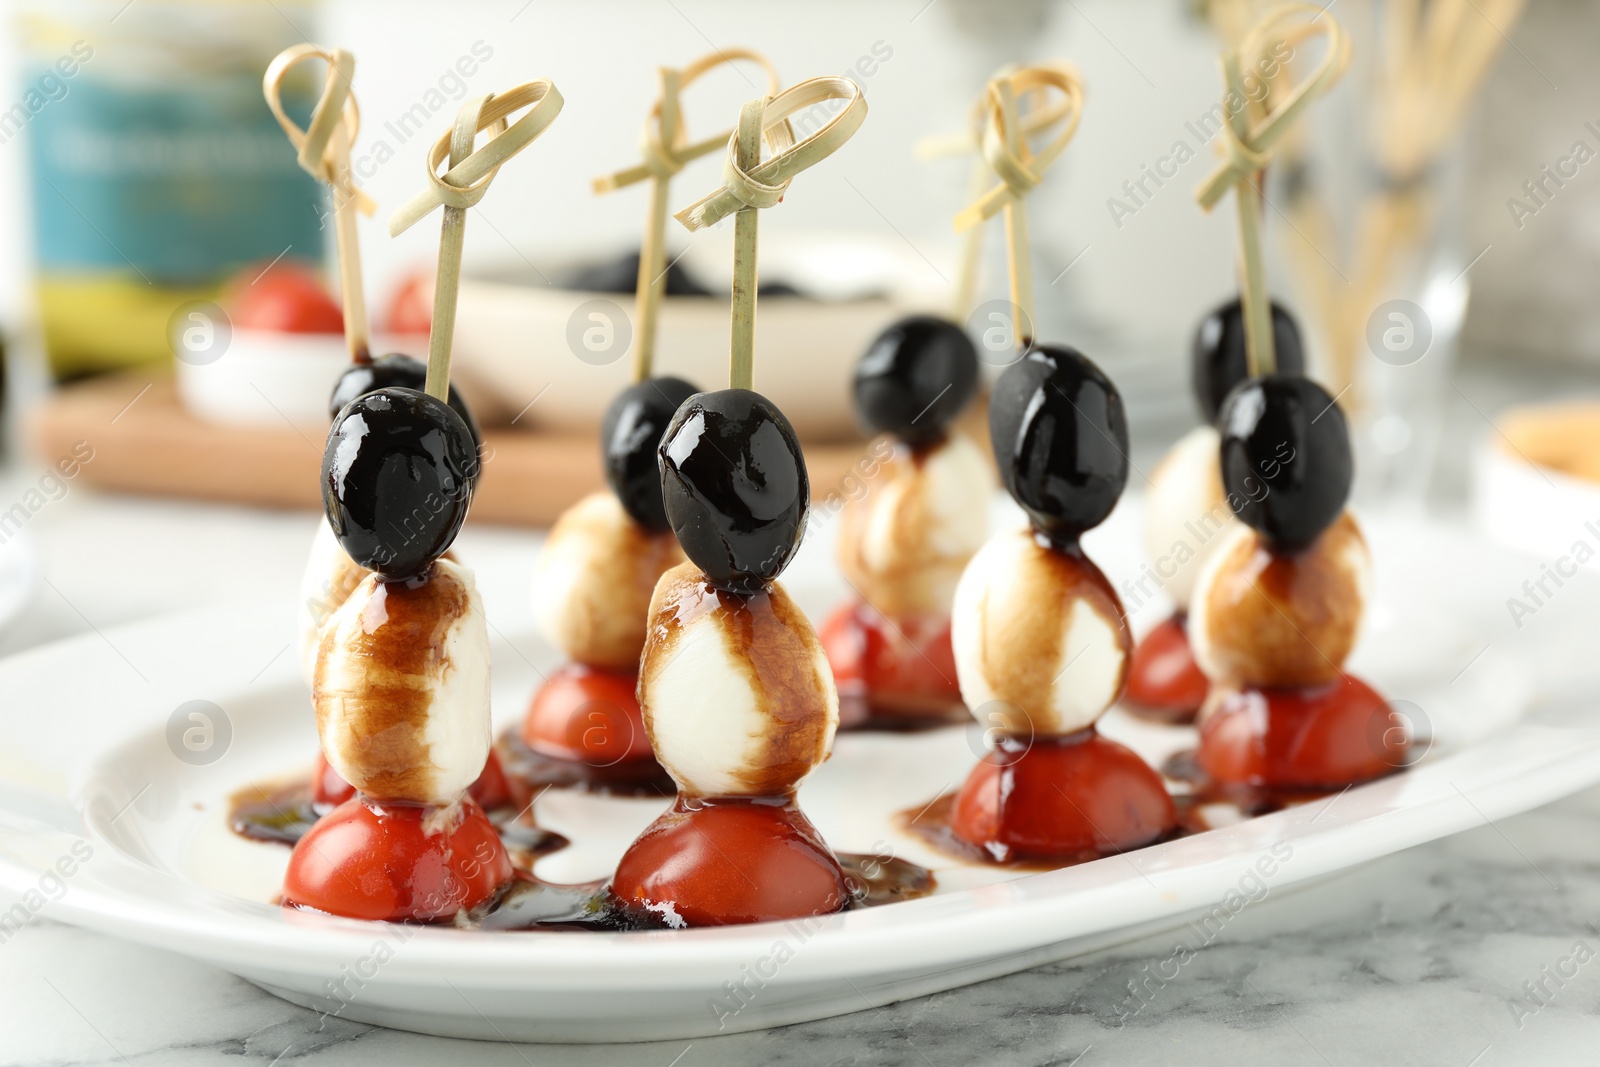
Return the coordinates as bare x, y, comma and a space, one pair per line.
1183, 768
528, 904
536, 772
931, 826
281, 813
1193, 791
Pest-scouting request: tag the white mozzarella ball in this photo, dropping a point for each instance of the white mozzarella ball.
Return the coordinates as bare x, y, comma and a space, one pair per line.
329, 577
1186, 513
1041, 645
736, 692
402, 687
904, 543
593, 580
1261, 619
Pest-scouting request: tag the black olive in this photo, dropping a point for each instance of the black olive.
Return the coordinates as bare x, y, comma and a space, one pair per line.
1060, 439
916, 377
621, 275
629, 436
393, 369
397, 477
1219, 353
1285, 458
735, 487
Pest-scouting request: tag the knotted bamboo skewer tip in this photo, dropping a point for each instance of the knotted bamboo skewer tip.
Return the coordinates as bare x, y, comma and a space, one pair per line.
461, 187
323, 151
750, 184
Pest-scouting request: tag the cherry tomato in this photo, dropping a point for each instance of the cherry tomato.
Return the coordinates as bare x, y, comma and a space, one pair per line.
906, 667
587, 715
491, 790
411, 311
1325, 736
328, 787
329, 790
1062, 798
1164, 681
369, 861
287, 298
730, 860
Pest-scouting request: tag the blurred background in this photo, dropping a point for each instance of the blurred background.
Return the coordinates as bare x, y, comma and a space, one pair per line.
1435, 225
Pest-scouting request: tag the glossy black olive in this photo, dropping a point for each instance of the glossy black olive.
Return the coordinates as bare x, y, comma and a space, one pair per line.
735, 487
1285, 458
394, 369
621, 275
629, 436
397, 479
916, 377
1060, 439
1219, 353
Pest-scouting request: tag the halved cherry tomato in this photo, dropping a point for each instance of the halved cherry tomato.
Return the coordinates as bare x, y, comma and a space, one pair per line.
364, 860
907, 667
329, 789
587, 715
1164, 681
411, 311
287, 298
1325, 736
710, 862
1062, 798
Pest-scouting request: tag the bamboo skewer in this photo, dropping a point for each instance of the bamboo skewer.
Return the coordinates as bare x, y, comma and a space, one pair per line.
323, 151
1249, 139
666, 151
461, 187
1041, 112
1020, 168
1433, 58
750, 184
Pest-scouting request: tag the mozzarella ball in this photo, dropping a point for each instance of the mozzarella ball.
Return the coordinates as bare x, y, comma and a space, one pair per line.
329, 577
1040, 641
735, 689
904, 543
1263, 619
402, 687
593, 580
1186, 513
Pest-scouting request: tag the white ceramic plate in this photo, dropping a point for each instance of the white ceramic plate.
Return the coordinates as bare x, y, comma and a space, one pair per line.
90, 789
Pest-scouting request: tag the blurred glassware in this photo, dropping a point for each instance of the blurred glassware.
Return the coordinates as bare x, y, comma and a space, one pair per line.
156, 169
1371, 204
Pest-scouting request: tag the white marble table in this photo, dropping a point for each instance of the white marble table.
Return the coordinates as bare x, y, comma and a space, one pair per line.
1419, 958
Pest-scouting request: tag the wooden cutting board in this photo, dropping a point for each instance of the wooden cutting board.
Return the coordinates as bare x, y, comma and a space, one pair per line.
145, 442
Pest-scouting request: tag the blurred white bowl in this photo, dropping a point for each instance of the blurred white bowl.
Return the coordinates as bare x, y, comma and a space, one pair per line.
266, 378
1533, 508
572, 350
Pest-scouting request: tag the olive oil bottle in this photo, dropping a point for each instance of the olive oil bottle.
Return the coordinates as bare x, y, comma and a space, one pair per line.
156, 169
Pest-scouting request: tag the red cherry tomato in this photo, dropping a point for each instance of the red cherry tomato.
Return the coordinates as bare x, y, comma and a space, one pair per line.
730, 860
587, 715
329, 789
369, 861
1322, 737
491, 790
411, 311
288, 298
1164, 681
907, 667
1062, 798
